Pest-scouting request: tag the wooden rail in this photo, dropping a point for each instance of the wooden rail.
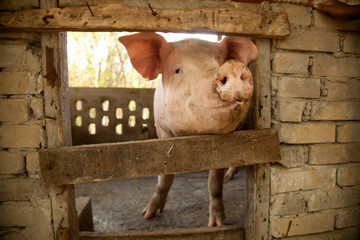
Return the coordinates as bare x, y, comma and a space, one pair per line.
228, 232
91, 163
119, 17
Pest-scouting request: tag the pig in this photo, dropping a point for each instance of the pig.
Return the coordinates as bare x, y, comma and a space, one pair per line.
206, 88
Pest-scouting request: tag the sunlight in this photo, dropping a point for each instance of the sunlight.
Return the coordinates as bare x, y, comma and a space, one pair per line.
98, 59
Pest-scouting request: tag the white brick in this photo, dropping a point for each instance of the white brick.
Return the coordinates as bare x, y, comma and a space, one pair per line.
342, 234
296, 87
348, 132
302, 133
293, 156
19, 58
349, 175
11, 162
17, 83
298, 15
14, 110
23, 189
32, 164
349, 217
351, 43
302, 224
288, 62
334, 153
329, 66
343, 89
37, 107
331, 198
310, 40
307, 178
36, 219
289, 110
288, 203
21, 136
324, 110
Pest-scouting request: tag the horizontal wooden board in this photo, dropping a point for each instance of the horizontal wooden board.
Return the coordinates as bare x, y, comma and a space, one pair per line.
229, 232
92, 163
120, 17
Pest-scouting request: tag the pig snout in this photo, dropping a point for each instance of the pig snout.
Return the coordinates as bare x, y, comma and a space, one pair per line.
233, 82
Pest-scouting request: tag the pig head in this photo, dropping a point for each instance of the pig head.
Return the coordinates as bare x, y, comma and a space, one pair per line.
206, 88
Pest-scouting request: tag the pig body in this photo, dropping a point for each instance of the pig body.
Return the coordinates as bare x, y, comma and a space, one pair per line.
206, 88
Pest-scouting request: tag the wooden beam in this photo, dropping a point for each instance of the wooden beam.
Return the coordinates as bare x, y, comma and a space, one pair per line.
119, 17
228, 232
91, 163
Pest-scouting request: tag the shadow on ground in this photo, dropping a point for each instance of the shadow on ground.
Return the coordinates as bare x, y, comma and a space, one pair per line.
117, 205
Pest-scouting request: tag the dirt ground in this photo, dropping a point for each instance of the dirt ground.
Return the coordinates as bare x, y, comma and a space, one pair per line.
117, 205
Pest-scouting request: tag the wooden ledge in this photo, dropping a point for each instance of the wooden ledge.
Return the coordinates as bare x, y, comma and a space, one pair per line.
120, 17
100, 162
228, 232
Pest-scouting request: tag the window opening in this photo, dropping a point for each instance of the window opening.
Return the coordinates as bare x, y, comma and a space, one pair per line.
122, 114
119, 113
105, 105
78, 121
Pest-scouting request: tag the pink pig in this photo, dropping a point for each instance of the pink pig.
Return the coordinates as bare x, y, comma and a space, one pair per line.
206, 88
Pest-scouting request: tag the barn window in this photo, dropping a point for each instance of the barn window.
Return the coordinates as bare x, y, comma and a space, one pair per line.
193, 202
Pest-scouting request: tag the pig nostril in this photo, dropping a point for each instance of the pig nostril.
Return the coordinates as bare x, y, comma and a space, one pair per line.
223, 81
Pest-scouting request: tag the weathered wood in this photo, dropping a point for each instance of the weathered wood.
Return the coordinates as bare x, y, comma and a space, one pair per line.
58, 131
119, 17
84, 212
229, 232
91, 163
257, 176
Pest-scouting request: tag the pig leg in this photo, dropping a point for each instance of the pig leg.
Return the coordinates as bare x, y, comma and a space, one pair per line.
231, 173
216, 207
158, 200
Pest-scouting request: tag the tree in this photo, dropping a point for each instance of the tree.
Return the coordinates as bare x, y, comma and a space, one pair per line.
98, 59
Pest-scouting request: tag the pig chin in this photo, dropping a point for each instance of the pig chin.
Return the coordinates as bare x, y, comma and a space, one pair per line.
197, 119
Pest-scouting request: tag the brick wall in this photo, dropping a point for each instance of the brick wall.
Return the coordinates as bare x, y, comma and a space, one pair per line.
25, 207
315, 191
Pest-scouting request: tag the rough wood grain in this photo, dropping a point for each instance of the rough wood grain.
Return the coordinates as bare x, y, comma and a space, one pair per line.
229, 232
119, 17
91, 163
58, 130
258, 176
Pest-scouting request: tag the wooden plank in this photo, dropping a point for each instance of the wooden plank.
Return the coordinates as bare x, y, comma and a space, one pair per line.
84, 213
58, 131
258, 177
58, 134
229, 232
119, 17
91, 163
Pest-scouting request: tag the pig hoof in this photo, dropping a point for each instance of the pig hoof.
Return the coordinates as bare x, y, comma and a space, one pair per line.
217, 213
231, 173
156, 202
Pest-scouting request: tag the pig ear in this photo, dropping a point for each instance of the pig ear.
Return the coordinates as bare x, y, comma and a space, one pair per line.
240, 48
145, 51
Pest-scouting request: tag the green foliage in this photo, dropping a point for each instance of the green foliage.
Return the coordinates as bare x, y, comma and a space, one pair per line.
98, 59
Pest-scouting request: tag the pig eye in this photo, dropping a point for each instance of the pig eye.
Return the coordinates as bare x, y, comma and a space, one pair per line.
178, 70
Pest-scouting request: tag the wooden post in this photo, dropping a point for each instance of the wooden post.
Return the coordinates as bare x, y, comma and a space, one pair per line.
257, 176
58, 128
